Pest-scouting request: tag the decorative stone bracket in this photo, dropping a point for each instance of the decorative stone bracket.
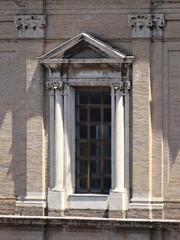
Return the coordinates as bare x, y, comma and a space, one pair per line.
146, 25
30, 26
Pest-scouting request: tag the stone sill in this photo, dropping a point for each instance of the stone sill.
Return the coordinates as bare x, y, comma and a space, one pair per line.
82, 222
87, 201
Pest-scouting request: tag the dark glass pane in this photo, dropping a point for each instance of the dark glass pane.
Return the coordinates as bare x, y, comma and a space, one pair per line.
82, 131
95, 114
93, 140
83, 149
83, 184
82, 114
95, 167
107, 184
95, 132
107, 114
95, 184
107, 132
107, 97
107, 149
83, 167
94, 149
95, 97
107, 166
83, 97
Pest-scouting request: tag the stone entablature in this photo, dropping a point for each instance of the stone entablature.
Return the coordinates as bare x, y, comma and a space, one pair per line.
30, 26
146, 25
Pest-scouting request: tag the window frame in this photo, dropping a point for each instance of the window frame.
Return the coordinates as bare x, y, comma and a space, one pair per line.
101, 106
69, 121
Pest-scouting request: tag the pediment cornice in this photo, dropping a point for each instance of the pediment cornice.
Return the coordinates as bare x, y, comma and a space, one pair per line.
106, 52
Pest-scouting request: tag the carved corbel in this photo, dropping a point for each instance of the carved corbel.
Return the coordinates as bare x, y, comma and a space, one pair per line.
141, 25
30, 26
159, 24
146, 25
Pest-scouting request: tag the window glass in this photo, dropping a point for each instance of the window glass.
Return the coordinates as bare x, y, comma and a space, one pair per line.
93, 140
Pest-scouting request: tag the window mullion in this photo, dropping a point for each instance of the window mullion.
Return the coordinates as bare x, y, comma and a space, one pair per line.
102, 144
89, 144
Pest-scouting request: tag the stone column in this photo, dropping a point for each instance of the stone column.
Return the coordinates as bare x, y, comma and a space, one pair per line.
56, 191
51, 134
119, 195
119, 140
58, 140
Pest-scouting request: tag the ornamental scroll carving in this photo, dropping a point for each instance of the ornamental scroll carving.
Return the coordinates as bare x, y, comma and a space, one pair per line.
30, 26
146, 25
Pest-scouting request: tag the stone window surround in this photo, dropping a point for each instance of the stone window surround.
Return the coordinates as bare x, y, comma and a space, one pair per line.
109, 68
61, 192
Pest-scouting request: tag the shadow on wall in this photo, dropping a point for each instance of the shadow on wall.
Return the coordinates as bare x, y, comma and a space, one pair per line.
19, 97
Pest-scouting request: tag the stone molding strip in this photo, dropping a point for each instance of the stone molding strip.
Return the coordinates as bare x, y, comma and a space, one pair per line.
30, 26
97, 223
146, 25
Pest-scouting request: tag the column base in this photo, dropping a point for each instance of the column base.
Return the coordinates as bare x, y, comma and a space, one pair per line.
32, 199
56, 199
118, 199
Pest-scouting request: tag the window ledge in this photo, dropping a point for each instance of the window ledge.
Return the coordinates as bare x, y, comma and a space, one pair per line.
88, 201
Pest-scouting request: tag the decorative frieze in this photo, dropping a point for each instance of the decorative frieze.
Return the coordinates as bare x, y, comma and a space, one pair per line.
30, 26
146, 25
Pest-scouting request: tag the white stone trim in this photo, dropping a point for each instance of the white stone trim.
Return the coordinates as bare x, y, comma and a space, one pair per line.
32, 200
146, 206
87, 201
69, 136
58, 143
113, 130
144, 203
51, 136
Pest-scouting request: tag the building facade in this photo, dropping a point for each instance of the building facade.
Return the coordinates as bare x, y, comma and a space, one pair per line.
89, 119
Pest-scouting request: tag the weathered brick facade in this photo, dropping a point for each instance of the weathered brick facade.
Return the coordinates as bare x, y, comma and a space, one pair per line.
147, 30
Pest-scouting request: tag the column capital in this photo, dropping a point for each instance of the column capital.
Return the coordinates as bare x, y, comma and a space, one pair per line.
146, 25
122, 86
54, 85
119, 86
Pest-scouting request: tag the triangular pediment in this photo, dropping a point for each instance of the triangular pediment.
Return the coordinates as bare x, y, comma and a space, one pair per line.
84, 50
84, 46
